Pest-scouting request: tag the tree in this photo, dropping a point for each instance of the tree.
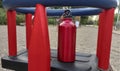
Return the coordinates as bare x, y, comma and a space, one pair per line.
0, 3
84, 20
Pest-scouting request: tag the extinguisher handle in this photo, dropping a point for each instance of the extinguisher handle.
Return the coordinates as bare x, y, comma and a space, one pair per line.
67, 14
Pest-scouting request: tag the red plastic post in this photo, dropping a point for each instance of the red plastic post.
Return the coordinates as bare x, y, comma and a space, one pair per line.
66, 40
39, 47
12, 42
104, 38
28, 28
101, 23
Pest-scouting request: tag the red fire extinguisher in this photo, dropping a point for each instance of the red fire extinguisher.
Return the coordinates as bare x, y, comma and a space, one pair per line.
66, 38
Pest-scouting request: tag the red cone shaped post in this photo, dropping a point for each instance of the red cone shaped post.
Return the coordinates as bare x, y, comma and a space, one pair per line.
12, 41
28, 28
104, 39
39, 48
66, 41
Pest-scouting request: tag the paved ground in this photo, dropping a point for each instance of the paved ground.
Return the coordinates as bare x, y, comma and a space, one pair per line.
86, 42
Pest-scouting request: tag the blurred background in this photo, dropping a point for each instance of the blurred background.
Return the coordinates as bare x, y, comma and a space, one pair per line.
86, 34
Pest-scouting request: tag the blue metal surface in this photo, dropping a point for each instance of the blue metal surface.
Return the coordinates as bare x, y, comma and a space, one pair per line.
59, 12
105, 4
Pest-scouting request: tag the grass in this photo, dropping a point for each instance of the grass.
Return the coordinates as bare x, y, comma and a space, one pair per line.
2, 16
3, 19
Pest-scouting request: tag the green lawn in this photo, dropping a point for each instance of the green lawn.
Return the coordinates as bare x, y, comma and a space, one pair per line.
2, 16
19, 19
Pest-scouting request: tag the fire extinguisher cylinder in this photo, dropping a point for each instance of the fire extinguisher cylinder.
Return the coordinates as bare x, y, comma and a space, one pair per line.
66, 40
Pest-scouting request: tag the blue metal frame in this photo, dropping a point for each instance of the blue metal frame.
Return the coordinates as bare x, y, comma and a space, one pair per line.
105, 4
59, 12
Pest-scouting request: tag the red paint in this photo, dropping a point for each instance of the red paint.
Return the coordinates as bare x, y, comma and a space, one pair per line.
39, 48
66, 41
12, 42
28, 28
101, 23
104, 38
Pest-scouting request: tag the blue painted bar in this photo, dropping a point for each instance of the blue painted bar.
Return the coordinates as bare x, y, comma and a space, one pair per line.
105, 4
59, 12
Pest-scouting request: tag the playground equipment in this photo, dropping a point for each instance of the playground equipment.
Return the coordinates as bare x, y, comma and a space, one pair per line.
59, 12
37, 55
